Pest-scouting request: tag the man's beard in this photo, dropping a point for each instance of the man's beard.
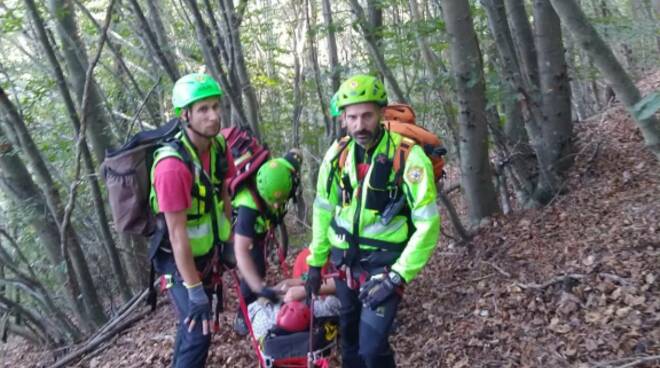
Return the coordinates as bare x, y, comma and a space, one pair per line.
366, 138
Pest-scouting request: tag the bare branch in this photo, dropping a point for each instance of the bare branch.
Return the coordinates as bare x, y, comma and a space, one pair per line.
83, 125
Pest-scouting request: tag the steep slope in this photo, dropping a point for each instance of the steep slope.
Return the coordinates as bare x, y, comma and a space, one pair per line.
574, 284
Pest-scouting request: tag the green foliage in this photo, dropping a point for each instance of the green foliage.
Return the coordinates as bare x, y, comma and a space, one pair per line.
11, 20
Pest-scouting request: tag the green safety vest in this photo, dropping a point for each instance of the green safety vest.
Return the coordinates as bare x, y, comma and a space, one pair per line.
244, 198
333, 221
199, 224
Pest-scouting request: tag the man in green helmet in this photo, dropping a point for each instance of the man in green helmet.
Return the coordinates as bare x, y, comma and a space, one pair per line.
189, 195
377, 226
259, 207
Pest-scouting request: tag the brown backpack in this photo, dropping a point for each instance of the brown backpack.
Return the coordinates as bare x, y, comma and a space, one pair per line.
400, 118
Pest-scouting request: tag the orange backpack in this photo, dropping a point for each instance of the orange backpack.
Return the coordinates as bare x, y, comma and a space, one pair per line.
400, 118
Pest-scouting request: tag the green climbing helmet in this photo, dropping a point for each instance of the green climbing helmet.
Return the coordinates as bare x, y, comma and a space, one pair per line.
334, 110
361, 88
192, 88
275, 180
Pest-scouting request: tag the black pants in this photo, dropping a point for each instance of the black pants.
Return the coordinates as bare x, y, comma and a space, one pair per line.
190, 347
259, 259
365, 332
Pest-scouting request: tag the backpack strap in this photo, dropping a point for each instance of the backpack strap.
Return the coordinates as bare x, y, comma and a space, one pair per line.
400, 156
338, 161
221, 162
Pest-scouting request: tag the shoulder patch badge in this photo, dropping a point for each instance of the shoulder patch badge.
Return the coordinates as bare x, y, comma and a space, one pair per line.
415, 174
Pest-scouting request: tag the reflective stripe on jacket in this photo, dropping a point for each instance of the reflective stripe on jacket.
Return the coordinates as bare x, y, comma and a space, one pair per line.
418, 186
199, 223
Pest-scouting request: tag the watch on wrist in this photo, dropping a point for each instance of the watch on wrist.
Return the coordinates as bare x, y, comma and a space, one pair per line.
395, 278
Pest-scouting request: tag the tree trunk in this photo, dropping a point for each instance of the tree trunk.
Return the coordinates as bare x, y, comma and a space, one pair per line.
31, 317
375, 17
124, 69
87, 285
98, 131
136, 260
213, 64
251, 103
523, 38
436, 68
17, 184
155, 47
224, 46
298, 98
335, 72
556, 126
476, 175
310, 20
586, 36
518, 151
376, 54
161, 36
28, 282
77, 60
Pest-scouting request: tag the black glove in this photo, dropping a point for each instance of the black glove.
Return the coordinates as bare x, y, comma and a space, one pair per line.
199, 308
379, 288
313, 283
269, 294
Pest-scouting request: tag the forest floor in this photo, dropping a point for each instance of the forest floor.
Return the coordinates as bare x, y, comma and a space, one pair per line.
573, 284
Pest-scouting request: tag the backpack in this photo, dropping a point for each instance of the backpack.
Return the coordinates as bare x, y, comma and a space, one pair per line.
400, 118
126, 171
248, 155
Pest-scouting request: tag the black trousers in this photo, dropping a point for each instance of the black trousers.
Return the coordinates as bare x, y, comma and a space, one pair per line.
190, 347
365, 332
259, 259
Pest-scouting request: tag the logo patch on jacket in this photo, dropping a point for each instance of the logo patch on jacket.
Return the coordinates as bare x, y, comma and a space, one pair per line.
415, 174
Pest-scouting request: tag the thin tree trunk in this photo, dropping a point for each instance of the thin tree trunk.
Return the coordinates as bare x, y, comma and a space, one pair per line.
335, 72
99, 132
18, 185
161, 36
28, 282
87, 285
298, 98
31, 317
375, 17
213, 64
436, 68
525, 84
313, 58
476, 175
116, 51
523, 38
586, 36
153, 43
252, 105
225, 48
516, 142
77, 60
376, 54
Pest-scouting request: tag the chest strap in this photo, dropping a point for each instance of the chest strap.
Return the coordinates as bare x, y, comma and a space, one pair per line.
381, 244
